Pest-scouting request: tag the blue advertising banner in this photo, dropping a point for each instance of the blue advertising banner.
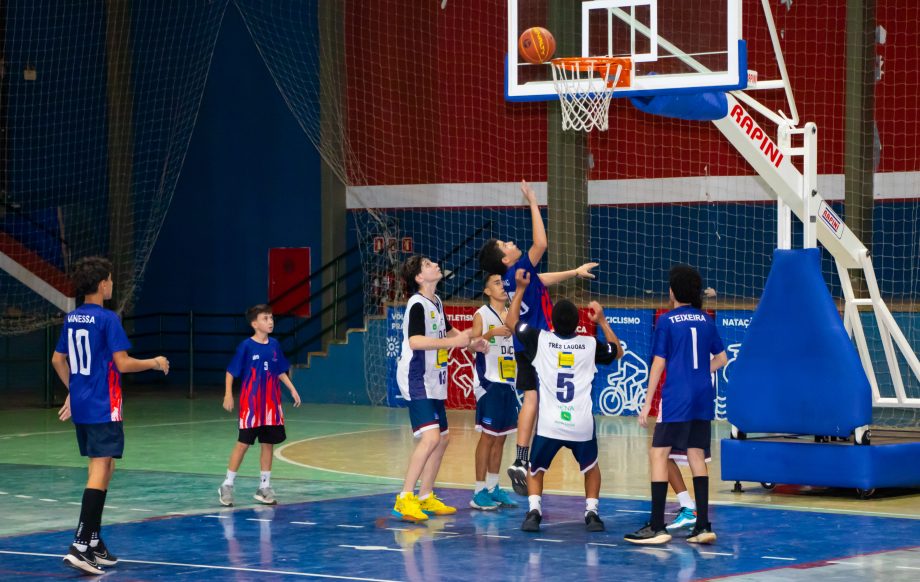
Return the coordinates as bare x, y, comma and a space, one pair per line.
394, 345
619, 389
732, 325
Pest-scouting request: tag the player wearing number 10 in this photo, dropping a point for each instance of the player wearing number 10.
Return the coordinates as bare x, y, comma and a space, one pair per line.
89, 358
565, 365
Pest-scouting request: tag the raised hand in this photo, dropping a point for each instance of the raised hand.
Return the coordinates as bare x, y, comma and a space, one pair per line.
528, 192
522, 279
584, 271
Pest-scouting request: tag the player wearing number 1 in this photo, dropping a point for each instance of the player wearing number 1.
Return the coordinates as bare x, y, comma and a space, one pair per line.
90, 358
684, 340
565, 365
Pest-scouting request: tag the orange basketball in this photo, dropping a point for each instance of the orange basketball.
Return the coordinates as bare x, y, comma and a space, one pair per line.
536, 45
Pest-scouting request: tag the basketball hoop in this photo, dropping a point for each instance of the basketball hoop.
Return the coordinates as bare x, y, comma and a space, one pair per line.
585, 86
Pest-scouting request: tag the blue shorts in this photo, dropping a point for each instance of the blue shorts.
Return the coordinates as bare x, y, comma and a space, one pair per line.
427, 414
497, 410
106, 439
543, 450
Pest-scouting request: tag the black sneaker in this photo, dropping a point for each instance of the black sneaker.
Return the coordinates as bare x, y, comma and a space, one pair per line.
83, 561
647, 535
102, 554
532, 521
593, 522
517, 472
702, 534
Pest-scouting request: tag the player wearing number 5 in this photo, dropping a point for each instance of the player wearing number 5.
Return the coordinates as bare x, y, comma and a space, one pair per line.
565, 366
90, 358
422, 377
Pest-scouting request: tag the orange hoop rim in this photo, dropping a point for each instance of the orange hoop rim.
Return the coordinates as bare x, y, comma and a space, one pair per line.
591, 64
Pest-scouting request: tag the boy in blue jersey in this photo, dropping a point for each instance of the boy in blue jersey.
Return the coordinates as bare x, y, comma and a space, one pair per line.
90, 357
261, 365
422, 377
687, 344
504, 258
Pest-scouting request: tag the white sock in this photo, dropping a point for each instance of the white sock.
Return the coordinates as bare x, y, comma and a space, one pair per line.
686, 501
425, 496
404, 494
491, 481
480, 485
265, 480
231, 477
591, 505
536, 502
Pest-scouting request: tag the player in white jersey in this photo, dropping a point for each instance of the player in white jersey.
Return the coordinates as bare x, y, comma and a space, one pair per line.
422, 378
496, 398
565, 365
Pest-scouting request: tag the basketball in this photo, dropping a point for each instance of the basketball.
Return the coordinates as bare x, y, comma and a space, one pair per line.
536, 45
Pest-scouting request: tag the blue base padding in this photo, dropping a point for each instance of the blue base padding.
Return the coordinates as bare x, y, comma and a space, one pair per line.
798, 372
821, 464
693, 107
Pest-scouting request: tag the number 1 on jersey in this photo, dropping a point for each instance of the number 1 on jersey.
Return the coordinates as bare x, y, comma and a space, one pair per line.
696, 356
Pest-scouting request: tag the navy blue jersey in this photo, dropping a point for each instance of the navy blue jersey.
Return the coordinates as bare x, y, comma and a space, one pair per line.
90, 336
536, 307
686, 337
260, 366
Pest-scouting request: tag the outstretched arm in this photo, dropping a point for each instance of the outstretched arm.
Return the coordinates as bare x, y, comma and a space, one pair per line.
522, 280
539, 231
126, 364
582, 272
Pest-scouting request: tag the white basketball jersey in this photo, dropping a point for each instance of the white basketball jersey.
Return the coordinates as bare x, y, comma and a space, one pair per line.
422, 374
497, 366
565, 368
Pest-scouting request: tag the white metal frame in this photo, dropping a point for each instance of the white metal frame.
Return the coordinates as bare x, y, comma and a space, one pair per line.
37, 284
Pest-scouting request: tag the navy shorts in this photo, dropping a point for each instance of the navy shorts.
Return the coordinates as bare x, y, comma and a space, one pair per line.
497, 410
427, 414
543, 450
105, 439
269, 434
526, 378
690, 434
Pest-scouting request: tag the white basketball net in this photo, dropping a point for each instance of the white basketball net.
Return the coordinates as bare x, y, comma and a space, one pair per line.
584, 89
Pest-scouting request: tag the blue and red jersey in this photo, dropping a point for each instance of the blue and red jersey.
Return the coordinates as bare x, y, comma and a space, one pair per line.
91, 334
536, 307
260, 367
686, 338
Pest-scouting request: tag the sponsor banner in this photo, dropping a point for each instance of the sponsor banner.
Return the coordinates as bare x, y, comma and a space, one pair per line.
732, 325
619, 389
461, 366
394, 346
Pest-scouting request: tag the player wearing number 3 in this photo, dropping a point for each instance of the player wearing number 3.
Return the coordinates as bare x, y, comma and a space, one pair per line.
90, 358
565, 366
422, 377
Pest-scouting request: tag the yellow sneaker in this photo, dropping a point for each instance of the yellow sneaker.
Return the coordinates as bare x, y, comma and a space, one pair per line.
434, 506
407, 508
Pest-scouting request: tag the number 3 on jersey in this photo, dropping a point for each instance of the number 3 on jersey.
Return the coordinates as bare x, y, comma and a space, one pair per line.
565, 388
79, 352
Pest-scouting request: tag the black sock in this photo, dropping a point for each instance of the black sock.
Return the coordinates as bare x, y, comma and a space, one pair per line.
701, 492
90, 515
659, 496
94, 537
523, 453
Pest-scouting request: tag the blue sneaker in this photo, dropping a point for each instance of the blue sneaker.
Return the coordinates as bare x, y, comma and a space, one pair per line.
685, 518
483, 500
501, 497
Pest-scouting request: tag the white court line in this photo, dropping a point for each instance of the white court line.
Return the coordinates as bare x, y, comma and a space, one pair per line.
111, 506
777, 558
600, 544
138, 509
496, 536
350, 526
907, 567
547, 540
24, 496
717, 553
74, 503
304, 522
256, 519
631, 510
446, 533
131, 427
48, 500
210, 567
855, 564
3, 493
372, 548
395, 528
279, 452
217, 516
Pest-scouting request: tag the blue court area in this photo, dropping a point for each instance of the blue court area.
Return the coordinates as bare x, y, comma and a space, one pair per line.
356, 539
